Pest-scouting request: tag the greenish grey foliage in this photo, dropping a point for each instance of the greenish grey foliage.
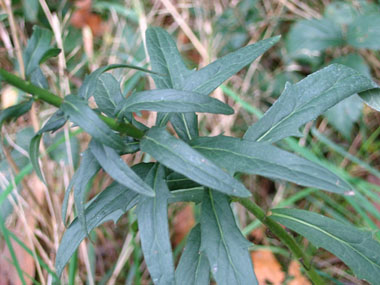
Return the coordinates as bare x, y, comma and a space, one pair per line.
237, 155
112, 163
81, 114
171, 100
180, 157
364, 32
355, 247
305, 100
199, 169
223, 242
154, 229
193, 267
107, 94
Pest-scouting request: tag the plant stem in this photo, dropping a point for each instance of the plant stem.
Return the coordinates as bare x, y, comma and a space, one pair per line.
287, 239
48, 97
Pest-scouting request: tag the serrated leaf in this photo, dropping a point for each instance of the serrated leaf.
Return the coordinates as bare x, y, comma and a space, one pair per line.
82, 115
152, 218
112, 163
34, 150
180, 157
245, 156
38, 49
355, 247
308, 38
108, 94
305, 100
193, 267
207, 79
15, 111
88, 87
364, 32
223, 242
171, 100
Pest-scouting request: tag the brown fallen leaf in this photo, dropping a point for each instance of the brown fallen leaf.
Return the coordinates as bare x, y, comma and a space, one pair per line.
267, 268
295, 272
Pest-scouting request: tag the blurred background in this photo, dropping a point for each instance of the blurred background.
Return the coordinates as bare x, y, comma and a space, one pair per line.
92, 34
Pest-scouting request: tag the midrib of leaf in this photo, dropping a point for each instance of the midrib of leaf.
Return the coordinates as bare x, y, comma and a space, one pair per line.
326, 233
197, 268
158, 143
186, 126
299, 108
252, 157
107, 90
222, 234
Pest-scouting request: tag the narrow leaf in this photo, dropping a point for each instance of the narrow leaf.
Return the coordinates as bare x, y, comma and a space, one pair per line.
185, 125
180, 157
112, 163
237, 155
355, 247
152, 218
223, 242
207, 79
15, 111
38, 49
88, 87
55, 122
193, 267
171, 100
34, 150
108, 94
305, 100
82, 115
372, 98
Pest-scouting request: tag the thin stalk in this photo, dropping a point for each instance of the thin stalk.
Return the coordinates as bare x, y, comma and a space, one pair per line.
48, 97
287, 239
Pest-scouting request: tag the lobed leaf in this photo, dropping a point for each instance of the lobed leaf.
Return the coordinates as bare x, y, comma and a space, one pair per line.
179, 156
355, 247
305, 100
193, 267
113, 164
152, 218
171, 100
82, 115
223, 242
237, 155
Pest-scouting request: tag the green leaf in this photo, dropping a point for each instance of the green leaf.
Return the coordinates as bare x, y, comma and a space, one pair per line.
207, 79
171, 100
30, 8
60, 154
340, 12
308, 38
364, 32
187, 195
55, 122
185, 125
372, 98
88, 87
34, 150
38, 49
110, 204
15, 111
305, 100
87, 169
113, 164
152, 218
223, 242
245, 156
81, 114
108, 94
193, 267
357, 248
165, 59
179, 156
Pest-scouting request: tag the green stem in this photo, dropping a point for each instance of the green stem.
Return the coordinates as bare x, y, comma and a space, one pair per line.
48, 97
287, 239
